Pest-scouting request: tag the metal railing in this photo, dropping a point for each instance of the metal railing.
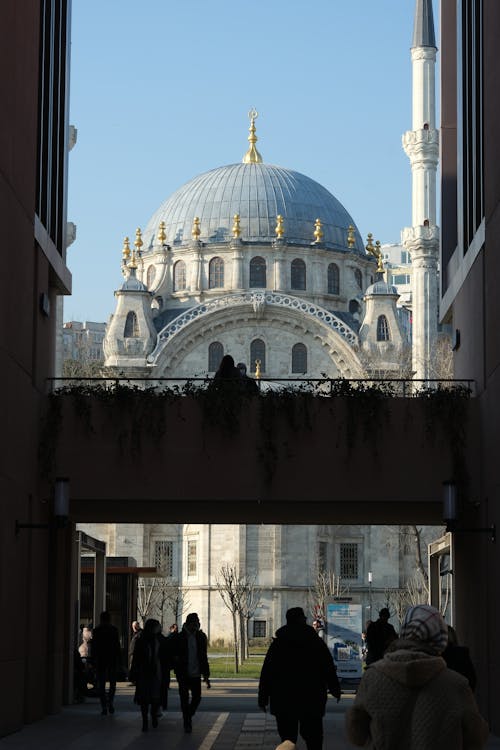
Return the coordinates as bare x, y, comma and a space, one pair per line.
397, 387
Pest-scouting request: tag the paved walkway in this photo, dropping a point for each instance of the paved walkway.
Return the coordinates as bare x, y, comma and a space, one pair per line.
81, 727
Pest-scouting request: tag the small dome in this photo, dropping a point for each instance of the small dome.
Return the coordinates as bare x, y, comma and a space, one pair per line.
258, 193
132, 284
381, 287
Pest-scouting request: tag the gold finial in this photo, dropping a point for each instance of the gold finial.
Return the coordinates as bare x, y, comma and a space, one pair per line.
138, 241
318, 232
369, 244
162, 235
351, 237
380, 262
257, 369
252, 156
126, 249
279, 227
236, 226
376, 252
196, 231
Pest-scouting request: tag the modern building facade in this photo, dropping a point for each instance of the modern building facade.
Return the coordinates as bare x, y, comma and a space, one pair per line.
34, 56
470, 269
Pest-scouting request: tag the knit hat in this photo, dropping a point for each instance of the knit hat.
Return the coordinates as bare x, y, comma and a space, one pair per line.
424, 623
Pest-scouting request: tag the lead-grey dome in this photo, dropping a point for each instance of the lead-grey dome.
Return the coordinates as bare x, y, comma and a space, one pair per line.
258, 193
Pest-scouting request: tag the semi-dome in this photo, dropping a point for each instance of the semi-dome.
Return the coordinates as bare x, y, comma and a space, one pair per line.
258, 193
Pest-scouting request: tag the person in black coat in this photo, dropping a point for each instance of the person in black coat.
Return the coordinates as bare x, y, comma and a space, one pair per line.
149, 671
296, 677
106, 656
379, 635
188, 658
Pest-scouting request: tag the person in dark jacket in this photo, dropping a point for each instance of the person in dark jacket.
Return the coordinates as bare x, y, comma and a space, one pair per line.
136, 633
296, 677
149, 664
106, 655
379, 635
188, 657
458, 658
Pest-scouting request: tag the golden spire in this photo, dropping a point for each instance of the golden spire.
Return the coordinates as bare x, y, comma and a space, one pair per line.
236, 226
318, 232
126, 249
280, 231
162, 236
380, 262
196, 231
376, 252
369, 244
351, 238
257, 369
252, 156
138, 241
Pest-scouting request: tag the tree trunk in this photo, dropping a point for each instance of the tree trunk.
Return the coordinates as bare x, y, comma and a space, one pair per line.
235, 636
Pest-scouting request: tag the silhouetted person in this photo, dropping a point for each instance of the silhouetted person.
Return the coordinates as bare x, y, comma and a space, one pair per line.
173, 629
136, 633
296, 677
379, 635
249, 384
409, 700
227, 370
106, 656
458, 658
148, 672
188, 656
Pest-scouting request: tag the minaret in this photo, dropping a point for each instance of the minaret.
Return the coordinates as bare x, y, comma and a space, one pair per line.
421, 144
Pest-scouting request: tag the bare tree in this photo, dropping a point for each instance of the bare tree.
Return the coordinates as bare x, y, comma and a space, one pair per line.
229, 587
414, 592
177, 600
146, 598
327, 585
249, 601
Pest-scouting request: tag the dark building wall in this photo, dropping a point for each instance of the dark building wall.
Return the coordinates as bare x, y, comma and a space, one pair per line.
475, 311
32, 591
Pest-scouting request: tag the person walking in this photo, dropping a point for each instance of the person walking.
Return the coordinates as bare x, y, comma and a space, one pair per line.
458, 658
188, 657
136, 633
296, 677
411, 700
379, 636
148, 672
106, 655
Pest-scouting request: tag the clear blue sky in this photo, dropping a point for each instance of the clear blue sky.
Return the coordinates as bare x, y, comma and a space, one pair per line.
160, 93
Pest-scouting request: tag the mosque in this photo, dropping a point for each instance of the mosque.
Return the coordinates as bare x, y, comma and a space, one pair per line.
263, 263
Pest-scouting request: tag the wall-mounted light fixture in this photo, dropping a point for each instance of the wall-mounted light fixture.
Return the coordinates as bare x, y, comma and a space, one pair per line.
60, 510
450, 513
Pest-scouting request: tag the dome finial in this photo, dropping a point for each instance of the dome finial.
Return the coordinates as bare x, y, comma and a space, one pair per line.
351, 237
162, 236
236, 226
252, 156
280, 231
196, 231
376, 252
318, 232
126, 250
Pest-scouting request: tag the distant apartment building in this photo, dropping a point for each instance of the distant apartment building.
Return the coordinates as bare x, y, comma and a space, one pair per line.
82, 342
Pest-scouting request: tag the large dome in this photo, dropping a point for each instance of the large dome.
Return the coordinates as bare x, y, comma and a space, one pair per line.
258, 193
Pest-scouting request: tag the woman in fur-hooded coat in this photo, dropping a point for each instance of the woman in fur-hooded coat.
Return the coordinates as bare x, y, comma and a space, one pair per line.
410, 699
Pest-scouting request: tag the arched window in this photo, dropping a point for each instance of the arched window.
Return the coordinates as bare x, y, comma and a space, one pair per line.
299, 358
333, 279
179, 276
298, 274
150, 276
131, 330
216, 273
257, 272
382, 329
354, 307
215, 354
358, 277
257, 352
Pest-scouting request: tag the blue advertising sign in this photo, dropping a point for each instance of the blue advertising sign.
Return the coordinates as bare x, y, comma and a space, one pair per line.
344, 627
